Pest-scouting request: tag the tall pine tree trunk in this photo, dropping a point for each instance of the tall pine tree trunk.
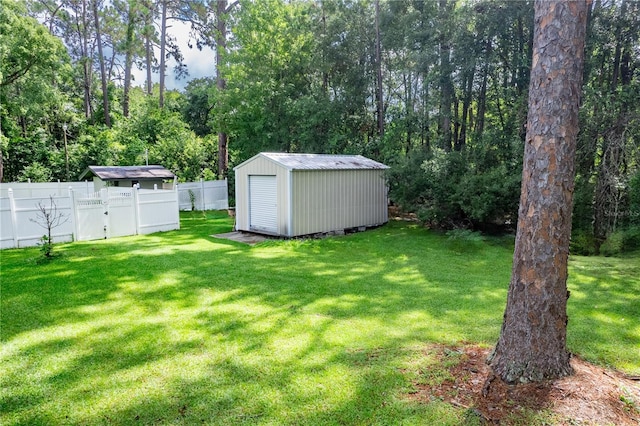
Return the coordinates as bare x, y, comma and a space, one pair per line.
148, 43
149, 63
86, 60
221, 45
379, 88
532, 343
163, 51
446, 85
128, 58
103, 72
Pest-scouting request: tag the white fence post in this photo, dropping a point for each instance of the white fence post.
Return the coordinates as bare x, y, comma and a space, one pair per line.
14, 218
136, 208
73, 214
202, 196
177, 193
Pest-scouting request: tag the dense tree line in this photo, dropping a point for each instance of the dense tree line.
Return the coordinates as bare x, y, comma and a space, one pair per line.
437, 89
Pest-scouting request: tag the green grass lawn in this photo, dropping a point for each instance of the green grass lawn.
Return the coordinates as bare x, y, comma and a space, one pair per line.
183, 328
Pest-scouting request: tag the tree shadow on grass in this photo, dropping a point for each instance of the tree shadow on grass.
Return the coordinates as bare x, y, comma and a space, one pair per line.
181, 328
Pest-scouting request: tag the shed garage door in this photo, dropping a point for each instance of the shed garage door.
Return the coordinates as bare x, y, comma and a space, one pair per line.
263, 203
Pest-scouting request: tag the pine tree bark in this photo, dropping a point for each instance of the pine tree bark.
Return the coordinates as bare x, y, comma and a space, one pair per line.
221, 46
446, 86
532, 343
128, 58
163, 52
83, 30
379, 87
148, 43
103, 72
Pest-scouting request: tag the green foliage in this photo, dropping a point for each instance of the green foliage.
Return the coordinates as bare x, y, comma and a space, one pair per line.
34, 72
26, 47
582, 219
267, 78
301, 77
634, 199
582, 242
613, 245
454, 189
621, 241
46, 246
489, 196
197, 110
35, 172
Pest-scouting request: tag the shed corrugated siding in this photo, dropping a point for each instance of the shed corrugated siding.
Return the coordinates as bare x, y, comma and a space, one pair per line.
264, 167
330, 200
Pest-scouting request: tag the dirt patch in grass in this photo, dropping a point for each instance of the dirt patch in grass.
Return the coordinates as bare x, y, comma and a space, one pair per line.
592, 396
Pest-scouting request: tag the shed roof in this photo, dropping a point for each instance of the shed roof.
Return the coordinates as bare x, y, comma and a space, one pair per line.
319, 161
128, 172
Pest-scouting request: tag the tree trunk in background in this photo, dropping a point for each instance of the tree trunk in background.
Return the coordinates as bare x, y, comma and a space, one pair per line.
446, 85
148, 44
532, 343
221, 45
163, 52
86, 62
103, 72
461, 137
128, 58
149, 62
379, 89
482, 96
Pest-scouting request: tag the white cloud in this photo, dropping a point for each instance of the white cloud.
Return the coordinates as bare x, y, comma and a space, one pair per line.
200, 63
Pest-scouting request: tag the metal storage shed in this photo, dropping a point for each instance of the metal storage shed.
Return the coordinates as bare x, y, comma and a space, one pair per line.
300, 194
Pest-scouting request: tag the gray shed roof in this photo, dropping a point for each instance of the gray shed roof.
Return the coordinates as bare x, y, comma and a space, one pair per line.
128, 172
320, 161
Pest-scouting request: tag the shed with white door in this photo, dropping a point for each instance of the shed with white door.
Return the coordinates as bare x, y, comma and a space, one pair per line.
291, 195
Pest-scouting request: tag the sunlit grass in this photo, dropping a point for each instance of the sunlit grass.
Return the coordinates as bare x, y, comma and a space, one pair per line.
604, 310
183, 328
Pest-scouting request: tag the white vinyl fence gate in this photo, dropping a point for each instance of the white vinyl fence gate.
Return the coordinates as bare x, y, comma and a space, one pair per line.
106, 214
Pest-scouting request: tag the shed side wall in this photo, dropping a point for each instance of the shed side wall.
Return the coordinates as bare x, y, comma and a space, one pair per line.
264, 167
330, 200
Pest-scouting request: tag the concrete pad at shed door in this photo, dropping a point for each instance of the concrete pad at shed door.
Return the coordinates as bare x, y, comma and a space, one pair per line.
242, 237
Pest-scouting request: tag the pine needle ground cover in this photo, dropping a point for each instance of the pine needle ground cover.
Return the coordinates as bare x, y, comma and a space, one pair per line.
183, 328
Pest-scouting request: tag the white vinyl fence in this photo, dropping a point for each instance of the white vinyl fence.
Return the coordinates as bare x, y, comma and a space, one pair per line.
204, 195
45, 189
17, 228
112, 212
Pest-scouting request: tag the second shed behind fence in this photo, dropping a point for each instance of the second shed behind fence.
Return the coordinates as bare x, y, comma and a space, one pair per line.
291, 195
